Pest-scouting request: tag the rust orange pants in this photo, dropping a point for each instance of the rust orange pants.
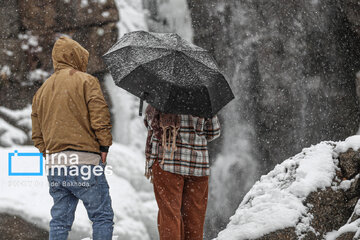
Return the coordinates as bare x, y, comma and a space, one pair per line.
182, 202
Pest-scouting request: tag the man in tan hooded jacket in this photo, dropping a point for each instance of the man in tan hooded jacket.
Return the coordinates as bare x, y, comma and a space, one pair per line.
71, 118
69, 110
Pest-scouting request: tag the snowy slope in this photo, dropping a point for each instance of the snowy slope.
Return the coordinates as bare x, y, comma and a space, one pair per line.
132, 198
276, 200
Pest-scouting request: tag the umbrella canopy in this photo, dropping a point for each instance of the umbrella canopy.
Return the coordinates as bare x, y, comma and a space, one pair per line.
168, 72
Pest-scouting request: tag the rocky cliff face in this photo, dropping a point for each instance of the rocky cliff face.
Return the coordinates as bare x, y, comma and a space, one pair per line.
292, 65
29, 29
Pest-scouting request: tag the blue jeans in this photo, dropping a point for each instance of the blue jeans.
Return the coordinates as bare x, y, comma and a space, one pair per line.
66, 191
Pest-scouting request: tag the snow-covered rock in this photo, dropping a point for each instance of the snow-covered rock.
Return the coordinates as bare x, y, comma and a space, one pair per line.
312, 195
15, 126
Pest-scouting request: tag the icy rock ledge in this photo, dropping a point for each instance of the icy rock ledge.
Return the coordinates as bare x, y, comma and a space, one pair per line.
313, 195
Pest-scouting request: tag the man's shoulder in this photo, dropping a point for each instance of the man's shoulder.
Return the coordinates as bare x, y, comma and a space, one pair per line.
86, 77
43, 86
82, 75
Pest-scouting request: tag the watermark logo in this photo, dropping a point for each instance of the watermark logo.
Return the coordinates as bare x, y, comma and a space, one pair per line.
65, 164
25, 164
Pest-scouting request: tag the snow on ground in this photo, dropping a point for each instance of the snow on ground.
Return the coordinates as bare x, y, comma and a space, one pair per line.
22, 117
132, 197
276, 200
10, 135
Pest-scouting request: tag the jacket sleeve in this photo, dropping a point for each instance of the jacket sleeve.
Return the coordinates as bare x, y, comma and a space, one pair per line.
212, 128
99, 113
37, 136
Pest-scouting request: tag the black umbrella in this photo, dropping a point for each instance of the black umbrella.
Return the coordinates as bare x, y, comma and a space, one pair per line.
168, 72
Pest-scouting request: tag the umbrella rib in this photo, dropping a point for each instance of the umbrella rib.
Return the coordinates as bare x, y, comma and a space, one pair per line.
203, 63
190, 63
128, 46
165, 48
169, 49
141, 65
191, 68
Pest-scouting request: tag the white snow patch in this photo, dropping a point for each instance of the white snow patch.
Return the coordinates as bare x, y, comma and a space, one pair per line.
24, 47
84, 3
10, 135
5, 71
38, 75
17, 114
345, 184
105, 14
351, 142
100, 31
30, 42
99, 1
22, 119
9, 53
33, 41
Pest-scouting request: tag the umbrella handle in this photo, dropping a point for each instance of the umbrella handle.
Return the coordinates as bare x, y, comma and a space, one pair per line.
142, 98
141, 107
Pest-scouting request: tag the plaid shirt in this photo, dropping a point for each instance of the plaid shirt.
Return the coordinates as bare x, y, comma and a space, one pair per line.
191, 157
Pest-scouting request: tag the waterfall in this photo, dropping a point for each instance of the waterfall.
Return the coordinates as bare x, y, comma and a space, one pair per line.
128, 127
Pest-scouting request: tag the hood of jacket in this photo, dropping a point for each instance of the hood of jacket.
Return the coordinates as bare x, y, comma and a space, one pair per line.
69, 53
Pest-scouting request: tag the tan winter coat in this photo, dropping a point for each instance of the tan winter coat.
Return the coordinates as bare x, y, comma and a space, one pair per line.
69, 110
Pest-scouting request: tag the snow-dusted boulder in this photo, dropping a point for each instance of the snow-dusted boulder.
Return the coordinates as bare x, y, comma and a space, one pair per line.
313, 195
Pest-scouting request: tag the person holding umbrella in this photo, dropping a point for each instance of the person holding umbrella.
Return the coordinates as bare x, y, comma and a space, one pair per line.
178, 162
184, 89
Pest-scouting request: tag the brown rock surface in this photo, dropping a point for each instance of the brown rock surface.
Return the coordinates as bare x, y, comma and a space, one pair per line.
348, 164
346, 236
54, 15
16, 228
9, 19
285, 234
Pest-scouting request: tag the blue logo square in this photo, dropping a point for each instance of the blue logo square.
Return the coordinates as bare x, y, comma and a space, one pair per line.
12, 172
